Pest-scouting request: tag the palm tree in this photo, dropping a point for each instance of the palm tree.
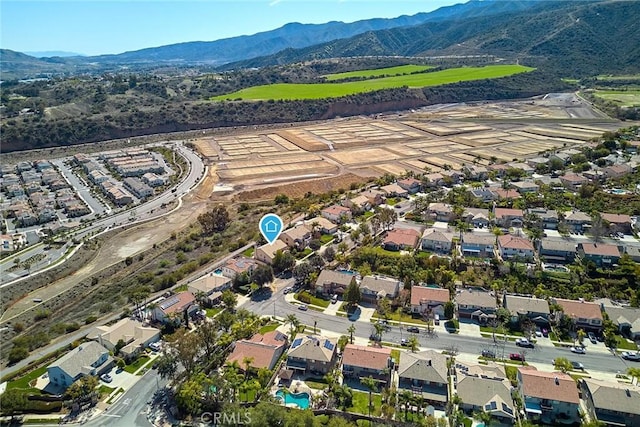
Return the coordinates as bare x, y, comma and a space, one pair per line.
293, 322
404, 398
371, 385
233, 379
414, 344
351, 330
247, 362
380, 329
483, 416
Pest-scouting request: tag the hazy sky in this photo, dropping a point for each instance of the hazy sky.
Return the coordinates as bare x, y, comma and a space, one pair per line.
97, 27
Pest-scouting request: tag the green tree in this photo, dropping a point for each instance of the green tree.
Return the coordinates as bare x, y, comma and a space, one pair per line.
229, 299
384, 307
414, 343
186, 347
215, 220
449, 310
82, 388
262, 275
283, 261
13, 400
294, 324
247, 362
167, 365
342, 342
581, 334
189, 396
351, 330
352, 294
302, 272
17, 353
379, 329
563, 364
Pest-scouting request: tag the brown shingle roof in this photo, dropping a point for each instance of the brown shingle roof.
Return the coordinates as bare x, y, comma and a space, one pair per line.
422, 293
616, 218
579, 309
502, 212
366, 357
549, 385
601, 249
514, 242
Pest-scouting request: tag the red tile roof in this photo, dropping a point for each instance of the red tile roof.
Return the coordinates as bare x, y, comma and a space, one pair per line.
514, 242
580, 309
549, 385
336, 210
423, 293
366, 357
502, 212
177, 302
406, 237
261, 348
507, 194
616, 218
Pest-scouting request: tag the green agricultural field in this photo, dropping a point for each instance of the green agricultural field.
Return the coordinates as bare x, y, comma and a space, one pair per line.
624, 98
622, 77
389, 71
293, 91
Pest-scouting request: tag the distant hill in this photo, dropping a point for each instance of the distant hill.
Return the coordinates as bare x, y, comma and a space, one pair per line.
570, 38
19, 65
52, 53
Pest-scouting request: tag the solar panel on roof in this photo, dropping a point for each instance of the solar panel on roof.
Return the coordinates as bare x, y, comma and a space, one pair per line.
296, 342
329, 345
170, 302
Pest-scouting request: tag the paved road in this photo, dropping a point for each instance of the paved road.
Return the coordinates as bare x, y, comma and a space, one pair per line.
149, 210
597, 360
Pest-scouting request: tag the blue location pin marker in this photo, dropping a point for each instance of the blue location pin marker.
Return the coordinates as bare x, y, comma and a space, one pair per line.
271, 227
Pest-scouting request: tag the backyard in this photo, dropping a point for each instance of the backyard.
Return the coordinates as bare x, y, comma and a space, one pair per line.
24, 382
360, 403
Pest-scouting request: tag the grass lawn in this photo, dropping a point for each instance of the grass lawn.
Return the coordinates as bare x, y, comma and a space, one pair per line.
112, 398
105, 390
137, 364
361, 403
249, 252
181, 288
378, 72
326, 238
624, 344
248, 396
333, 90
268, 327
313, 300
489, 330
316, 383
23, 382
368, 214
400, 316
213, 311
304, 253
391, 201
383, 251
395, 355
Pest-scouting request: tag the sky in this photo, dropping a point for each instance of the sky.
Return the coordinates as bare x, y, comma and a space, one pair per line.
93, 27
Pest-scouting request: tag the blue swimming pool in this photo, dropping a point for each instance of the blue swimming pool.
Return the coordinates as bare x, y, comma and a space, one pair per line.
300, 399
218, 271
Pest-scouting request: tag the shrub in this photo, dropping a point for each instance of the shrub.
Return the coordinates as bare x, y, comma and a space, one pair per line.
17, 354
90, 319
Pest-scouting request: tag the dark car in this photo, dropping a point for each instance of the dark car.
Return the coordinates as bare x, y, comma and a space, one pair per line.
488, 354
516, 356
413, 329
592, 338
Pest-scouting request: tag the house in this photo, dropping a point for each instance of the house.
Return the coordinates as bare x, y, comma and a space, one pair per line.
499, 169
374, 197
506, 217
561, 157
377, 287
476, 172
523, 187
176, 307
626, 318
477, 217
296, 237
153, 180
434, 180
572, 181
412, 185
425, 374
321, 224
515, 247
360, 361
484, 194
611, 403
358, 203
401, 239
528, 170
452, 176
239, 265
210, 285
602, 254
132, 333
480, 245
266, 252
330, 282
633, 252
550, 397
336, 213
558, 251
535, 309
88, 358
312, 355
618, 222
139, 188
491, 395
577, 221
584, 315
440, 212
438, 241
476, 304
429, 301
394, 190
506, 194
617, 171
263, 350
548, 218
535, 162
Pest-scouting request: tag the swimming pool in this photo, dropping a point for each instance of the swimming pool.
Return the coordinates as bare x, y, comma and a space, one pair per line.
300, 399
218, 271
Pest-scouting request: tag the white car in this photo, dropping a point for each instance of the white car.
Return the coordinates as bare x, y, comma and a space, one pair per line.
629, 355
578, 350
155, 346
523, 342
106, 378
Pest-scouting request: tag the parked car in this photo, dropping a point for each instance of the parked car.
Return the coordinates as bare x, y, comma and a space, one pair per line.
404, 342
577, 365
155, 346
516, 356
334, 299
592, 338
523, 342
545, 333
630, 355
578, 350
106, 378
413, 329
488, 354
303, 307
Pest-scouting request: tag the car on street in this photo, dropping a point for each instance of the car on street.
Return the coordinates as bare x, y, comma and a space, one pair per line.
303, 307
578, 350
488, 354
630, 355
413, 329
287, 290
592, 338
523, 342
516, 356
106, 378
404, 342
577, 365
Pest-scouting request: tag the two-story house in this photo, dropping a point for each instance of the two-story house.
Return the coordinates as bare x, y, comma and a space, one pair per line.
476, 304
440, 212
436, 240
401, 239
626, 318
558, 251
577, 220
620, 223
322, 225
263, 350
412, 185
210, 286
548, 218
506, 217
373, 288
481, 393
133, 333
429, 301
175, 308
480, 245
88, 358
535, 309
362, 362
515, 247
394, 190
336, 214
425, 374
611, 403
331, 282
267, 252
236, 266
477, 217
584, 315
549, 397
296, 237
312, 355
602, 254
524, 187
